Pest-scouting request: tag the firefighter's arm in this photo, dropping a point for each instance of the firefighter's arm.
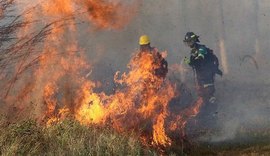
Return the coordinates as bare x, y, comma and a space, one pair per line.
165, 64
218, 71
187, 60
201, 53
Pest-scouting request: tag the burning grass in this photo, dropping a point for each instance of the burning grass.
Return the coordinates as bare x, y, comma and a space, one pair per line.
58, 87
49, 86
66, 138
69, 137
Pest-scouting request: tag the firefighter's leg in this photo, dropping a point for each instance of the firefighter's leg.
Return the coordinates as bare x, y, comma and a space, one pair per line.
207, 93
202, 93
211, 91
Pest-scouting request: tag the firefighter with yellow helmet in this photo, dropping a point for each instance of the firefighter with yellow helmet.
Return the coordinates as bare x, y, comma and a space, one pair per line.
145, 47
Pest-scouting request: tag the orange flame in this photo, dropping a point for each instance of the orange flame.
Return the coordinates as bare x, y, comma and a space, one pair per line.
196, 108
91, 108
159, 134
48, 97
60, 83
109, 14
145, 98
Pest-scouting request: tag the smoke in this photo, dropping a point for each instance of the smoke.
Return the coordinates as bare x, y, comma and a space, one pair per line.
60, 64
231, 28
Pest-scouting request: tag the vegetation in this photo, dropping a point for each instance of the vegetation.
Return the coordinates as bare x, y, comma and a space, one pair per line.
71, 138
66, 138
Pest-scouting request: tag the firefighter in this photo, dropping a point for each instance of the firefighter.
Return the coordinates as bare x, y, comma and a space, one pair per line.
205, 65
145, 46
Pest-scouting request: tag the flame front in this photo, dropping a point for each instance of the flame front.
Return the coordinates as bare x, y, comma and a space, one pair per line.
140, 105
144, 100
159, 134
91, 108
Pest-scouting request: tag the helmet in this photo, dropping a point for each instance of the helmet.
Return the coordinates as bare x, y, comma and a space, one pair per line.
191, 37
144, 39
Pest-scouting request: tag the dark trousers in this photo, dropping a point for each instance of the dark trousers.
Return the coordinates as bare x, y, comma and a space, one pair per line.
206, 92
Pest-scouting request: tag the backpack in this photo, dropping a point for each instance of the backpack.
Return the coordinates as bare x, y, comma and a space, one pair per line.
212, 62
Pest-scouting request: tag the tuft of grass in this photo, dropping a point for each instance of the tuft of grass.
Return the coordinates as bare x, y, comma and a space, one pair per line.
22, 138
67, 138
71, 138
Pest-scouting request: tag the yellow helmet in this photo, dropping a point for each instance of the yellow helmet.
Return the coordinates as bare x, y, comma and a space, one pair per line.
144, 39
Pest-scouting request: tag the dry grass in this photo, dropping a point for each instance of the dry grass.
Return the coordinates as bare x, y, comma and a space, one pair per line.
71, 138
66, 138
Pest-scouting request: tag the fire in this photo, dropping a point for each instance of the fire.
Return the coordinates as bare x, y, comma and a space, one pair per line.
159, 134
180, 120
49, 100
142, 102
58, 7
149, 94
196, 108
91, 109
109, 14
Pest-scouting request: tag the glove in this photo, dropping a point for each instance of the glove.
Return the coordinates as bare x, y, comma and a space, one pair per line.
187, 60
219, 72
200, 56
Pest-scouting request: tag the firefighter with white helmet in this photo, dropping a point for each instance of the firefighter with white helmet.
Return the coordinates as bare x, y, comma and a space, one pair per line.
205, 64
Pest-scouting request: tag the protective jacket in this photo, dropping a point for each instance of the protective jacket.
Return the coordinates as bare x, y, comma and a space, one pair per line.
162, 65
205, 63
